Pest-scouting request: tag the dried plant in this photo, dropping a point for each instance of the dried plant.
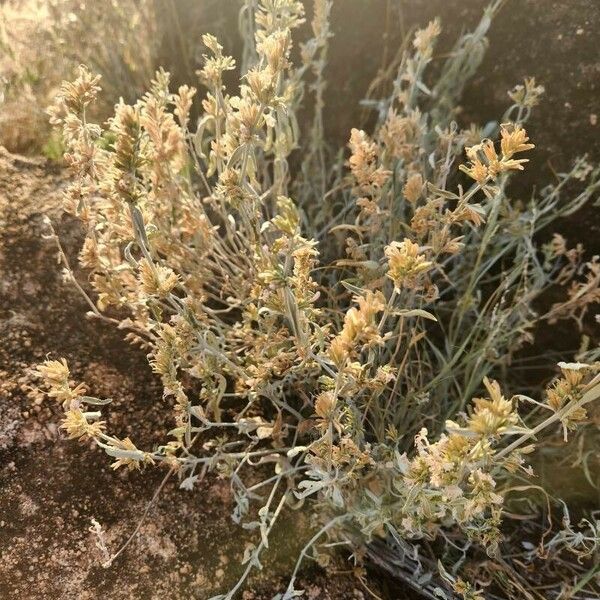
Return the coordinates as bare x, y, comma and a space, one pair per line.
352, 348
43, 41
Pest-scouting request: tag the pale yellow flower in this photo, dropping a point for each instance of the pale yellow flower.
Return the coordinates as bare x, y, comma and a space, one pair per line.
405, 263
77, 426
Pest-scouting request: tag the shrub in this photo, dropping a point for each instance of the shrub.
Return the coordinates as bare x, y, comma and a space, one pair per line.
352, 348
43, 42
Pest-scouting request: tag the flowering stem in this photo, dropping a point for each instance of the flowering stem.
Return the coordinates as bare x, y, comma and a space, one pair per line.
592, 394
